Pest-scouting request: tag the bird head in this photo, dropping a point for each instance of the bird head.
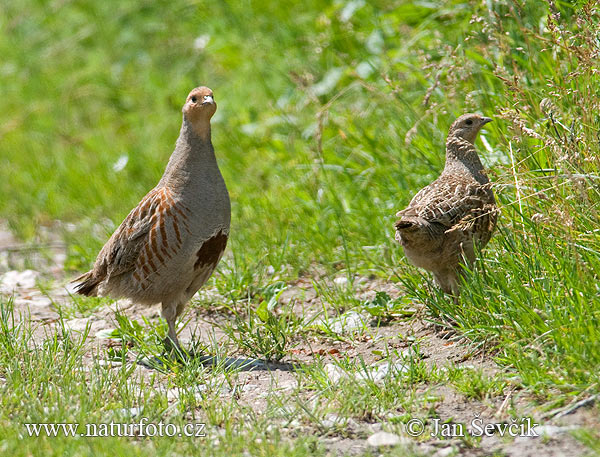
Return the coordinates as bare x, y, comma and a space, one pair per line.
199, 107
467, 126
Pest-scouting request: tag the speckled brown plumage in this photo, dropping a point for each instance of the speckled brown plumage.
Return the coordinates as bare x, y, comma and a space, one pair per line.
445, 220
171, 242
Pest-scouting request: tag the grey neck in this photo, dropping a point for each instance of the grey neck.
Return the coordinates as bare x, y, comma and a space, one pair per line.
462, 156
193, 156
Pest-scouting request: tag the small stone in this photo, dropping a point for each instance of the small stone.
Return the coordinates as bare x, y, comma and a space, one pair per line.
109, 363
335, 373
376, 372
375, 427
35, 301
548, 431
380, 371
553, 430
346, 323
129, 412
287, 385
341, 281
248, 387
331, 420
78, 324
173, 394
14, 280
383, 439
445, 452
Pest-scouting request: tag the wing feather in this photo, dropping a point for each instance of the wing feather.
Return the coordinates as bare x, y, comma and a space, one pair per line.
143, 242
445, 205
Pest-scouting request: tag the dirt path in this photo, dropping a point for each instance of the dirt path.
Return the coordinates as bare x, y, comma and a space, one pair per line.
342, 435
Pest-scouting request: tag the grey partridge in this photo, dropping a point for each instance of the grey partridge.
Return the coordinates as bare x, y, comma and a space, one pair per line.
446, 220
171, 242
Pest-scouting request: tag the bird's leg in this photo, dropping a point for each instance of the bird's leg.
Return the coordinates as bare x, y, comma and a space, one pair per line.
448, 282
171, 343
191, 351
169, 313
455, 290
452, 280
441, 278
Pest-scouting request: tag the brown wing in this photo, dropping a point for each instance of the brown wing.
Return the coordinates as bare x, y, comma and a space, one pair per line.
150, 234
445, 204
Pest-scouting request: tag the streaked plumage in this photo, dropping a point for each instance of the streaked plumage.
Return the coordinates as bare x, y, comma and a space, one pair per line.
169, 245
446, 219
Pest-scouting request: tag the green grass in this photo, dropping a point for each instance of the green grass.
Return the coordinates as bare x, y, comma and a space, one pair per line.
331, 116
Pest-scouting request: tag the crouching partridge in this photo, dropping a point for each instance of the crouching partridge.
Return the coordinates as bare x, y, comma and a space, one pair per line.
445, 220
171, 242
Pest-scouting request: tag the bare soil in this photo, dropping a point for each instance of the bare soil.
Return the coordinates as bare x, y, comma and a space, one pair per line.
437, 346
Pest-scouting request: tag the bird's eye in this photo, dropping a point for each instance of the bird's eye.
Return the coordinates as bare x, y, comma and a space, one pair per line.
468, 122
194, 99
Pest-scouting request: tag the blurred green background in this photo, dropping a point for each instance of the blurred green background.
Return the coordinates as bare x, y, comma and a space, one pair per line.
331, 116
309, 134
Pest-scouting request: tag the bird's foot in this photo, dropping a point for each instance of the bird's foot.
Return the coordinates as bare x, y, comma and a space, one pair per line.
173, 351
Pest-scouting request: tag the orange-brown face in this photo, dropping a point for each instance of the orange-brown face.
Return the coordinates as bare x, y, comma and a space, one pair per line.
200, 105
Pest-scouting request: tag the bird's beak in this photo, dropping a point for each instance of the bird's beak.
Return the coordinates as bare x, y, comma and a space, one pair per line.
485, 120
208, 100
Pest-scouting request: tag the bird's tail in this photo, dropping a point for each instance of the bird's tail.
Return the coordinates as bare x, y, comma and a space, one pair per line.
88, 284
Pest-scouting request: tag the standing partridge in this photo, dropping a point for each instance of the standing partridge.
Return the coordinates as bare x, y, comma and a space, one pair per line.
171, 242
446, 219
